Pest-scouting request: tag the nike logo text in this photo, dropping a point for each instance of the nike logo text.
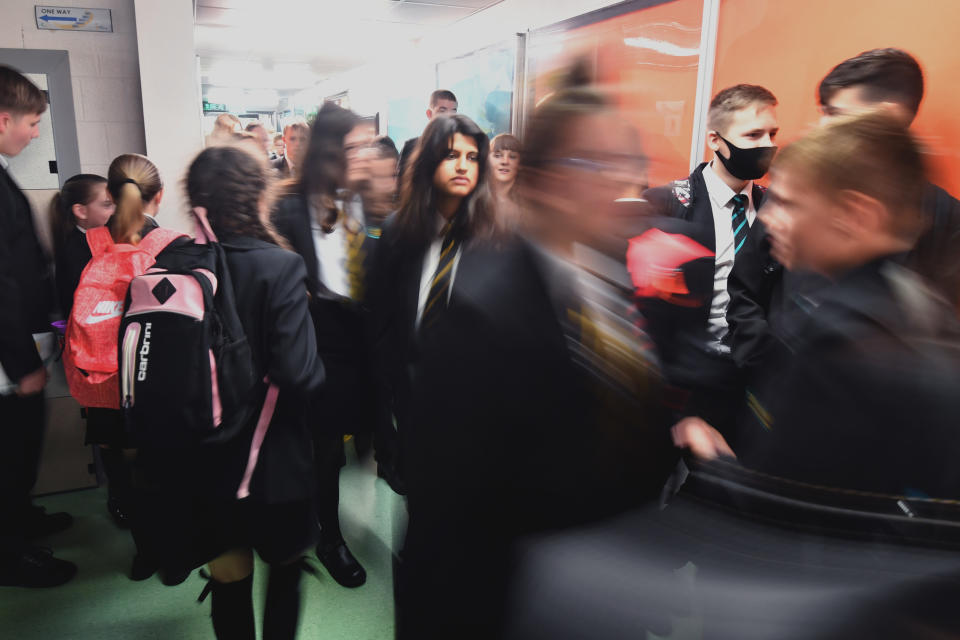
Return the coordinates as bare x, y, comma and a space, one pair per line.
105, 310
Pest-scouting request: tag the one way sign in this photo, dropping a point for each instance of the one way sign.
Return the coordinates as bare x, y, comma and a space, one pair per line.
74, 19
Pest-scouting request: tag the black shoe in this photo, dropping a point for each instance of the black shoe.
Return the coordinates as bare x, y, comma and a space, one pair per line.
120, 516
341, 565
41, 524
142, 568
36, 567
173, 577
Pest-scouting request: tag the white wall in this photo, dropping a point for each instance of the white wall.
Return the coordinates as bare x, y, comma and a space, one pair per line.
412, 70
172, 110
106, 76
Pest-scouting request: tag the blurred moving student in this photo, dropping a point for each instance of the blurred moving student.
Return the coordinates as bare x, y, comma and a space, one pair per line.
762, 295
26, 302
863, 394
442, 101
371, 194
262, 136
505, 161
205, 521
325, 225
224, 127
380, 192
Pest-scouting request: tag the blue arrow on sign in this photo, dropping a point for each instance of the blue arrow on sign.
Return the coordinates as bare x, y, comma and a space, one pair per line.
49, 18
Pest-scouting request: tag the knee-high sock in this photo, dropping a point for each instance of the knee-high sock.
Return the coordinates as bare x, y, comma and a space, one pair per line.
232, 609
119, 476
282, 609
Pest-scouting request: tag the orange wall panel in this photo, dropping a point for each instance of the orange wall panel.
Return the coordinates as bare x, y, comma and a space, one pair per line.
788, 46
648, 60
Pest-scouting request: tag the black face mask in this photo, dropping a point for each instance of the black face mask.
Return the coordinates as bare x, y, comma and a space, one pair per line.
747, 164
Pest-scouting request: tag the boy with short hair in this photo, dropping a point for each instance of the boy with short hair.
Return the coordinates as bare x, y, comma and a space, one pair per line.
718, 204
296, 138
26, 300
441, 101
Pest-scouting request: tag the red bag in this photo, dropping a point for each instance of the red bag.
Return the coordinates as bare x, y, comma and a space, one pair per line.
90, 351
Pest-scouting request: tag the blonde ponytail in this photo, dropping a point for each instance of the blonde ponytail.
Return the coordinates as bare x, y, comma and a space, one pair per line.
128, 218
133, 181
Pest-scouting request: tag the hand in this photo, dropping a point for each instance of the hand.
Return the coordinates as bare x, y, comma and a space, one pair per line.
32, 382
701, 439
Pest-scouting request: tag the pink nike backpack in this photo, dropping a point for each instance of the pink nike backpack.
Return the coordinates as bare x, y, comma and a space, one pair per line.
90, 351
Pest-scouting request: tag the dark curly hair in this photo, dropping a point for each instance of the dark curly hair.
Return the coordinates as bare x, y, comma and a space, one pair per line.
233, 185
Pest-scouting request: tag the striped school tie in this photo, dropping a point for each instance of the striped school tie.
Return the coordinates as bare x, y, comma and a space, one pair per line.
440, 286
740, 226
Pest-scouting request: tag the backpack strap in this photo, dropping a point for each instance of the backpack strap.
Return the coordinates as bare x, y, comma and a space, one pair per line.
158, 240
203, 232
99, 240
263, 423
682, 192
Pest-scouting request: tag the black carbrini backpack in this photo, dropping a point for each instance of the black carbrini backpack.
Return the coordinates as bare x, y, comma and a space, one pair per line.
187, 372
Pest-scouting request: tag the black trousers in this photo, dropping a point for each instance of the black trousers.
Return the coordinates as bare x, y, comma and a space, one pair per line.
22, 421
455, 569
329, 458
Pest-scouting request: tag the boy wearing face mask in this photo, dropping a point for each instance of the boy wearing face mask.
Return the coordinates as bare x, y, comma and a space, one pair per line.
718, 204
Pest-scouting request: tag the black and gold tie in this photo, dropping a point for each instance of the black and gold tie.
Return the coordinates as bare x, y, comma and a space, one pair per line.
440, 285
740, 226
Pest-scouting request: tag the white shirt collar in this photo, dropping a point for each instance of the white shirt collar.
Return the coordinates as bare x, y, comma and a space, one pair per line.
720, 192
441, 223
4, 162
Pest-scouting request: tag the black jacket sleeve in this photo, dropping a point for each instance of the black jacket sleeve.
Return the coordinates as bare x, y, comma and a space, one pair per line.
937, 253
18, 353
293, 363
751, 283
661, 202
382, 336
405, 154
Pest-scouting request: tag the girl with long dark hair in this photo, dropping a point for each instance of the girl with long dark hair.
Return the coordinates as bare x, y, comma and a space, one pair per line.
440, 249
447, 179
522, 391
83, 203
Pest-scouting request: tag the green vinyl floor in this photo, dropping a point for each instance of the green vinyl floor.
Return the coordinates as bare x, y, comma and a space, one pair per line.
101, 603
